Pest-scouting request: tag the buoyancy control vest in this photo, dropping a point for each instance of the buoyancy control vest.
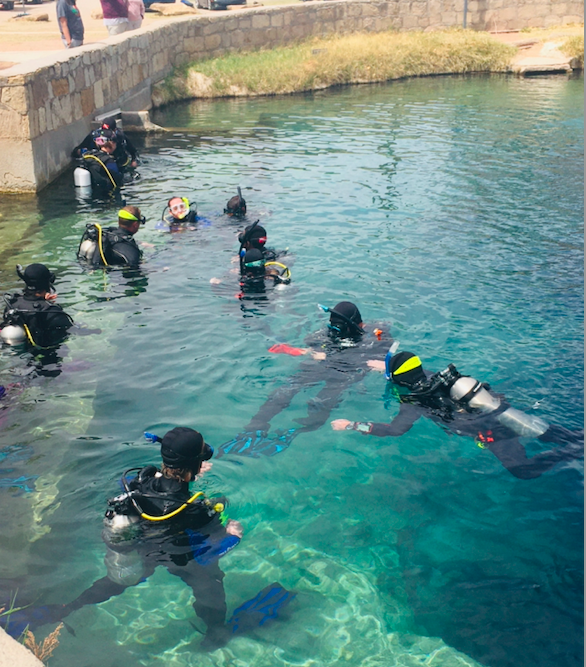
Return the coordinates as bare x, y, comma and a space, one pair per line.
108, 246
45, 324
97, 163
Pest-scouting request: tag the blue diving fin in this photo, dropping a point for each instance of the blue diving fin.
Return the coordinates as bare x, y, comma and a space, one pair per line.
258, 443
263, 608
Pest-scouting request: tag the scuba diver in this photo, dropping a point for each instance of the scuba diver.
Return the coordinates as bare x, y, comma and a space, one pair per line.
33, 317
340, 358
236, 206
113, 245
178, 216
157, 520
461, 404
125, 154
255, 236
256, 271
106, 175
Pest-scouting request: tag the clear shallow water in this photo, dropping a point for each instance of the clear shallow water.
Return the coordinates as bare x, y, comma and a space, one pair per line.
451, 208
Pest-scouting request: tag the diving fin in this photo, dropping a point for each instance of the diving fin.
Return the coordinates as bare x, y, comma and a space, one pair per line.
261, 609
258, 443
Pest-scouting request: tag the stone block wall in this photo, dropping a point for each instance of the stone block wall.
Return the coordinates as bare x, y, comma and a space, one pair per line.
46, 108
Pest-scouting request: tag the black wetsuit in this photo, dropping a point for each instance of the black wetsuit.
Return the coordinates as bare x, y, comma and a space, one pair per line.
47, 322
120, 249
181, 543
125, 151
488, 432
344, 365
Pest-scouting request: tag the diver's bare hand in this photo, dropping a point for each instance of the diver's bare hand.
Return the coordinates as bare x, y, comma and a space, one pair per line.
376, 365
51, 297
340, 424
206, 466
234, 528
318, 356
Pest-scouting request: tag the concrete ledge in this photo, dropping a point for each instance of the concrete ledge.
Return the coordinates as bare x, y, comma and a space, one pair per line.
13, 654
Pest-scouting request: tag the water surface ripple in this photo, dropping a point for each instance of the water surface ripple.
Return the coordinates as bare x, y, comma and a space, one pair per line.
451, 208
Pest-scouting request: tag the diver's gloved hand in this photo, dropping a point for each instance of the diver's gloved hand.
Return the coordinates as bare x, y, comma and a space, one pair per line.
257, 443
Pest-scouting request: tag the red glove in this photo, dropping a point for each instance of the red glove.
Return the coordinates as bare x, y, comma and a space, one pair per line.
283, 348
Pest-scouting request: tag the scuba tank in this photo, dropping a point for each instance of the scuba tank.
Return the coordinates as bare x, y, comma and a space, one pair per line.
471, 392
82, 178
522, 423
13, 334
90, 244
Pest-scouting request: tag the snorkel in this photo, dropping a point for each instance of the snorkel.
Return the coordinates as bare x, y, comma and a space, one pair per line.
394, 347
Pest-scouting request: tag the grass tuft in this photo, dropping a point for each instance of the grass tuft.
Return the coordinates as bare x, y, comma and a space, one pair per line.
574, 48
324, 62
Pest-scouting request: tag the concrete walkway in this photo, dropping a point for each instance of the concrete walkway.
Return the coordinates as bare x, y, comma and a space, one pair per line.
13, 654
535, 56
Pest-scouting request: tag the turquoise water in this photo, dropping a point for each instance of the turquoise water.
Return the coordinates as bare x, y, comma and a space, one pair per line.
451, 208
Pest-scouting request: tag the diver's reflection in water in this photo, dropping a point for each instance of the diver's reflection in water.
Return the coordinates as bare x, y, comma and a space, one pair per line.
123, 282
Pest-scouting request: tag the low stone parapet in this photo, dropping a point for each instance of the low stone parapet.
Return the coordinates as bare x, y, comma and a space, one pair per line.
46, 108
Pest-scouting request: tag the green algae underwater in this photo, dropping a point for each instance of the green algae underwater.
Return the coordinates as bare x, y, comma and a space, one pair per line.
450, 208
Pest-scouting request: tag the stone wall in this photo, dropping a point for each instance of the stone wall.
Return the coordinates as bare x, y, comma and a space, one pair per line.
46, 108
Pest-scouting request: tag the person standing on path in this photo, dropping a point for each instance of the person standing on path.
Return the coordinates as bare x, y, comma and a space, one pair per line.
135, 14
70, 23
115, 13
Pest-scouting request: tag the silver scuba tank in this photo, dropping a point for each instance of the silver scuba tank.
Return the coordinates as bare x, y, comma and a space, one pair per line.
87, 249
480, 398
522, 423
13, 334
82, 178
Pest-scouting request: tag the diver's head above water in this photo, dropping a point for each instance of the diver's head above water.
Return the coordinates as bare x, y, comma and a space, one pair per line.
179, 207
405, 369
130, 218
105, 140
253, 236
37, 278
183, 450
236, 206
346, 320
253, 263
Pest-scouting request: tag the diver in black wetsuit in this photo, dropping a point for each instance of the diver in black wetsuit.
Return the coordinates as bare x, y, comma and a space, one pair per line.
106, 174
33, 316
340, 359
256, 272
125, 153
255, 237
113, 246
462, 405
158, 521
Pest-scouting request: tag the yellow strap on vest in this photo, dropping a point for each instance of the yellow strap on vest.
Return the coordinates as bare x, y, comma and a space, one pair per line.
149, 517
100, 246
409, 365
29, 335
